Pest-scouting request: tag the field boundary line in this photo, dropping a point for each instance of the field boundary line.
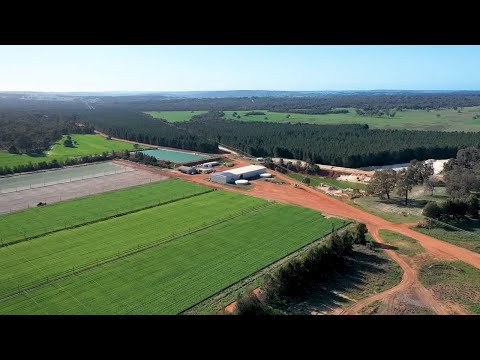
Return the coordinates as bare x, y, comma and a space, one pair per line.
217, 297
51, 279
2, 244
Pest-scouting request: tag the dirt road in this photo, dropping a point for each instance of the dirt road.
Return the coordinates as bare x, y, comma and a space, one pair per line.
409, 282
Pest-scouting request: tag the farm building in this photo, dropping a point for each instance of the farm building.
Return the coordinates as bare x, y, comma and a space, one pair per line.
204, 170
246, 172
210, 164
187, 170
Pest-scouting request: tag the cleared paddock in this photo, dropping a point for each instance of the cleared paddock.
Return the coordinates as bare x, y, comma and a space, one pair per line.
62, 190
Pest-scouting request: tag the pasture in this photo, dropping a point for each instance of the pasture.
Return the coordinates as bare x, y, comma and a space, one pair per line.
174, 116
447, 119
440, 120
86, 144
195, 248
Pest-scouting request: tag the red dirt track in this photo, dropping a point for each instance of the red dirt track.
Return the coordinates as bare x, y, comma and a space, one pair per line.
409, 281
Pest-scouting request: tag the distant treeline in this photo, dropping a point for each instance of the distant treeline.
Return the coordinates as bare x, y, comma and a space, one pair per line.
311, 104
32, 131
339, 145
320, 104
138, 127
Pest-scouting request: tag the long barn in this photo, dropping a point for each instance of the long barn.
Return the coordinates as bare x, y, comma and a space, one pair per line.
246, 172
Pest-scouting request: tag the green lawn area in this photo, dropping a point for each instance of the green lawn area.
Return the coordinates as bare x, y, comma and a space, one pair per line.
174, 116
165, 279
455, 281
40, 220
87, 144
316, 181
448, 119
404, 245
469, 240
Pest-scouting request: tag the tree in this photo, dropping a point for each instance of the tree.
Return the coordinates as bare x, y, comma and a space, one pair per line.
248, 304
421, 170
24, 143
13, 149
405, 182
359, 234
455, 208
382, 183
472, 206
460, 182
432, 210
306, 180
68, 142
429, 185
468, 157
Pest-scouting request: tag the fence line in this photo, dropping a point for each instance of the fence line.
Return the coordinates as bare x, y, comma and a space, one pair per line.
452, 227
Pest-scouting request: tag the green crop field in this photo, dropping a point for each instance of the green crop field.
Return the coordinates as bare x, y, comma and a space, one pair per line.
40, 220
174, 116
447, 119
340, 184
58, 252
203, 244
87, 144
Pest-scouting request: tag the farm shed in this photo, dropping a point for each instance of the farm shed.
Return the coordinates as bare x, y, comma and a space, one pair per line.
205, 170
187, 170
246, 172
210, 164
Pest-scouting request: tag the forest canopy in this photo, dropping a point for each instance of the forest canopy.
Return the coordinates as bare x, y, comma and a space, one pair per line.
339, 145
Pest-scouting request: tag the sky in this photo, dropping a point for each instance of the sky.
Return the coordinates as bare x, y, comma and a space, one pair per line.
234, 67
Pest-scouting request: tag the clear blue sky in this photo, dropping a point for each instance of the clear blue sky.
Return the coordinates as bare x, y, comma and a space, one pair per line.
178, 68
